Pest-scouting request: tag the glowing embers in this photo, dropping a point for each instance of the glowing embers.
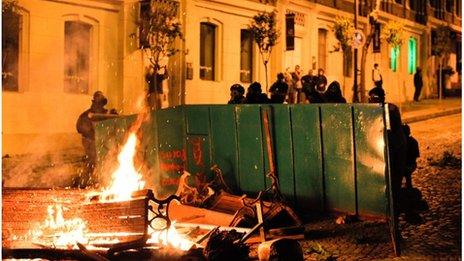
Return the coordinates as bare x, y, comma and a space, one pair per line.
169, 237
59, 232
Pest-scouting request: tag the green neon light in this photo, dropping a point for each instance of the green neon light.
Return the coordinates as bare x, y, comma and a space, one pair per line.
394, 54
412, 55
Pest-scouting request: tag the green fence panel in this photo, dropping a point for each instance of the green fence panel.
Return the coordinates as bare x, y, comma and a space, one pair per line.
171, 148
224, 147
109, 137
338, 157
197, 141
370, 159
283, 150
328, 156
150, 149
197, 119
250, 148
267, 169
198, 157
307, 158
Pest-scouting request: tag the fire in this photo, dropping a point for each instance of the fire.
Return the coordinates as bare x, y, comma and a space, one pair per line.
126, 179
61, 232
170, 237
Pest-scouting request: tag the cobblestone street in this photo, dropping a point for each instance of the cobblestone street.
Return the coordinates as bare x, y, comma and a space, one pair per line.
438, 237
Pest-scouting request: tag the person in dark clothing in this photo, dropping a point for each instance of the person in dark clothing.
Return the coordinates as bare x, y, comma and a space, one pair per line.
312, 95
254, 94
377, 95
334, 93
155, 88
321, 80
396, 144
236, 94
412, 153
86, 128
279, 89
309, 78
417, 83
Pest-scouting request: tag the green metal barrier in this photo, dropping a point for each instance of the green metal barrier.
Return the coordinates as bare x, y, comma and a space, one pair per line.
328, 157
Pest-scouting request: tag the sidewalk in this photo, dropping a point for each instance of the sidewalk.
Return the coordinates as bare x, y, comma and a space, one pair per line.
427, 109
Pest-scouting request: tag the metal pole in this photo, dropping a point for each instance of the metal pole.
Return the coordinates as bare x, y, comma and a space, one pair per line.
355, 54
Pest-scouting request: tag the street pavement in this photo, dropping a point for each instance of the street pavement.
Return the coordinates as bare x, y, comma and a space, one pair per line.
438, 237
426, 109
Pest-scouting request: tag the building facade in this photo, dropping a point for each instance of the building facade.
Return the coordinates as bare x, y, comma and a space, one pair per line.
57, 53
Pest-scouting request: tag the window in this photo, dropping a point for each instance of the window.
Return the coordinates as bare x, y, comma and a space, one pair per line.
322, 48
412, 58
10, 50
458, 7
398, 1
449, 5
144, 16
459, 57
394, 54
433, 3
207, 51
76, 57
246, 56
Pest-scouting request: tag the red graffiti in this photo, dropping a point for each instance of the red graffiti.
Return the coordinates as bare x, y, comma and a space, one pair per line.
197, 151
173, 154
170, 181
164, 166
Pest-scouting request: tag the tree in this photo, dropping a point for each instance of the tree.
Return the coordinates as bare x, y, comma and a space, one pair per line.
10, 6
393, 35
373, 10
265, 32
159, 29
441, 47
344, 32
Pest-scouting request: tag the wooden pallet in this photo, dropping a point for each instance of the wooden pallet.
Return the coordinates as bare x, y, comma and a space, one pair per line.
25, 209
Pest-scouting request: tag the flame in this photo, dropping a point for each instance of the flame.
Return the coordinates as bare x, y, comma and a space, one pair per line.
62, 233
125, 179
170, 237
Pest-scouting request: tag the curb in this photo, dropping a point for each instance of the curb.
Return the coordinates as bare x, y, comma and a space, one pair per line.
431, 115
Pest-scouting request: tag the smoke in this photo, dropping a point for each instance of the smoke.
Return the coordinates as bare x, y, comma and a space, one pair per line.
42, 170
77, 56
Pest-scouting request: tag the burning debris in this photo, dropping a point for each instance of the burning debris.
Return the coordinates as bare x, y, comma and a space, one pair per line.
126, 221
226, 245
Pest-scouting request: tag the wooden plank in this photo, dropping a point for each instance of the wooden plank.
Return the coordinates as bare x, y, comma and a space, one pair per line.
184, 213
25, 209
